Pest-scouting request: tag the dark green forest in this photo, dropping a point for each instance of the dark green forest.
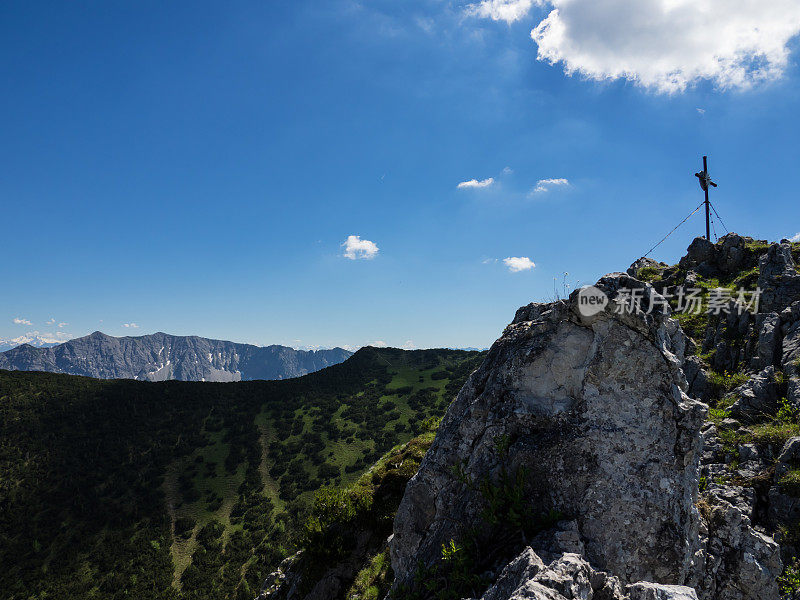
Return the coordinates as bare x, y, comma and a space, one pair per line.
180, 490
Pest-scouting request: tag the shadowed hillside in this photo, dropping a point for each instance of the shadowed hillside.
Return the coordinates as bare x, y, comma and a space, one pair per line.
118, 488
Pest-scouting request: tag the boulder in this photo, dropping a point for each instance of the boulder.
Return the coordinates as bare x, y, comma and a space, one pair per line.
654, 591
700, 256
593, 410
731, 253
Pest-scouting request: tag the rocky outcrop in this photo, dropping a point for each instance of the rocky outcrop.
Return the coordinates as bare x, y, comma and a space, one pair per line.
738, 562
757, 398
571, 577
727, 257
790, 351
593, 408
160, 357
645, 263
778, 278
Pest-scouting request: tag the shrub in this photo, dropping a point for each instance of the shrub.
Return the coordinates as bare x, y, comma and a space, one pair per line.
789, 580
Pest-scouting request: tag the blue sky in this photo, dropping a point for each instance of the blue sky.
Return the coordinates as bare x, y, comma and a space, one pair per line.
196, 168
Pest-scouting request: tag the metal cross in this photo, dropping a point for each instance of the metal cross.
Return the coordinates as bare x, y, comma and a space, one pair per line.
705, 182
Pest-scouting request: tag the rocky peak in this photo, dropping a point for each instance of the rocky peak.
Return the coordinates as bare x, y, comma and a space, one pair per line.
591, 410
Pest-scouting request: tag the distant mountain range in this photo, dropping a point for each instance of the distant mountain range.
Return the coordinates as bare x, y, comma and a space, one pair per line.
37, 341
159, 357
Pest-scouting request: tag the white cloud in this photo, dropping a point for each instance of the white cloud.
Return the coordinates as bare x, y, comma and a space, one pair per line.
667, 45
663, 45
795, 237
545, 185
52, 321
474, 183
130, 325
21, 321
488, 261
355, 248
408, 345
378, 344
63, 324
507, 170
516, 264
701, 111
502, 10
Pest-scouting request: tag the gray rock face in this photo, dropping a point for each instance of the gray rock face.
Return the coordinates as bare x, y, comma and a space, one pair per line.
642, 263
160, 357
727, 257
778, 278
700, 256
790, 351
594, 408
757, 397
767, 352
739, 563
653, 591
571, 577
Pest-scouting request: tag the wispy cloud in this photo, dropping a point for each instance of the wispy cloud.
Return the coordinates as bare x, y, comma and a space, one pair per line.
507, 170
356, 248
795, 237
21, 321
130, 325
501, 10
545, 185
701, 111
475, 184
63, 324
51, 322
516, 264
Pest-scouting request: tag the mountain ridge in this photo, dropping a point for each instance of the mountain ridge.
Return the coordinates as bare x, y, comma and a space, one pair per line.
161, 356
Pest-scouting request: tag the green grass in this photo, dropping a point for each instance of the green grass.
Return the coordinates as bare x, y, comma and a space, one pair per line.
727, 381
649, 273
790, 483
374, 580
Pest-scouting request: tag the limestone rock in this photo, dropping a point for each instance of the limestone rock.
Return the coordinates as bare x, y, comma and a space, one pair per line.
739, 563
642, 263
790, 351
699, 385
778, 278
769, 340
523, 568
594, 408
570, 577
654, 591
757, 397
700, 256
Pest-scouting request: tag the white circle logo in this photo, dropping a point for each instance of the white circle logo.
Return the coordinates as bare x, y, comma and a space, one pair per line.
591, 301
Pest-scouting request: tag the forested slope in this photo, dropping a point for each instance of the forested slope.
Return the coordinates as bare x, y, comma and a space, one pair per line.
125, 489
